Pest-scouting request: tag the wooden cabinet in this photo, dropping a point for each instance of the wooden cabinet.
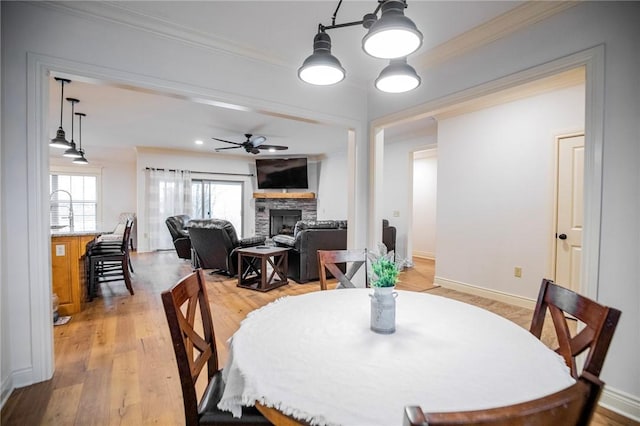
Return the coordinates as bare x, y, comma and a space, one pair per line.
67, 271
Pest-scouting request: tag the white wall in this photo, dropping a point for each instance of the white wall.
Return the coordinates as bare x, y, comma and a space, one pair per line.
332, 186
398, 186
425, 197
613, 25
40, 36
496, 175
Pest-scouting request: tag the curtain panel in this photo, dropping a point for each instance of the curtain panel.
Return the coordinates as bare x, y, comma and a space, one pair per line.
168, 194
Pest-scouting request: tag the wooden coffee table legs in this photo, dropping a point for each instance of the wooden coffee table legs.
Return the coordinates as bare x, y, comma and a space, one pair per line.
262, 271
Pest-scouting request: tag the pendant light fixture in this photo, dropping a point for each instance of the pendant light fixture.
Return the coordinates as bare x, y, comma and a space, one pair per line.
392, 36
397, 77
81, 159
72, 152
321, 68
60, 140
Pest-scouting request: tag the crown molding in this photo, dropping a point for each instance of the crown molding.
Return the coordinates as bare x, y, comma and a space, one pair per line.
116, 12
501, 26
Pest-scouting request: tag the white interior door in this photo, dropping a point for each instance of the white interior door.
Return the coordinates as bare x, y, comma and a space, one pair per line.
570, 211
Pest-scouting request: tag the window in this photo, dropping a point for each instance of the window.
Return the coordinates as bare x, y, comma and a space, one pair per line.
73, 200
219, 200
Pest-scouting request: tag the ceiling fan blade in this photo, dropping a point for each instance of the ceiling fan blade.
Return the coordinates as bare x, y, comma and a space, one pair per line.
230, 147
222, 140
258, 140
275, 147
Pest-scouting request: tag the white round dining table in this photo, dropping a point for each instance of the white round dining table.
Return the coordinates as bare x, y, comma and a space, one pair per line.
314, 357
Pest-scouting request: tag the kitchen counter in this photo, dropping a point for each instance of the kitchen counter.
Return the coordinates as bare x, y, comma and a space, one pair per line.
68, 278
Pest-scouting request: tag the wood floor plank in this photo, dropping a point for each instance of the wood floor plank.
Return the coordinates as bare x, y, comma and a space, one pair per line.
63, 405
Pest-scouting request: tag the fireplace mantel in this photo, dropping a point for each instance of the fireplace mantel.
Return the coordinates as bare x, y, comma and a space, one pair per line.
275, 195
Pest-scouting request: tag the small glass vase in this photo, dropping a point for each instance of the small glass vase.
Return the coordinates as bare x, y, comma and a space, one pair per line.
383, 310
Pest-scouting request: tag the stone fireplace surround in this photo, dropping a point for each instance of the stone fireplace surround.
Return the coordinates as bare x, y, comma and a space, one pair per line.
263, 204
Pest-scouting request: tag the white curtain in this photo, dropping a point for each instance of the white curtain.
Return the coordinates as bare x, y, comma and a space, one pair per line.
168, 194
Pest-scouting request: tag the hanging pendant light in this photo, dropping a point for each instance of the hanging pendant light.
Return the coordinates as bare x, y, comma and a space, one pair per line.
393, 35
398, 77
60, 140
81, 159
72, 152
321, 68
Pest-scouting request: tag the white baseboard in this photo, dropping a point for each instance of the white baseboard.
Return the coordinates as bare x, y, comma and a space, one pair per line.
511, 299
424, 255
7, 390
621, 403
612, 399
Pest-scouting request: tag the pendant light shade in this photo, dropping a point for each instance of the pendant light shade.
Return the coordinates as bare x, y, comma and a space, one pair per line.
321, 68
72, 152
398, 77
81, 159
60, 141
393, 35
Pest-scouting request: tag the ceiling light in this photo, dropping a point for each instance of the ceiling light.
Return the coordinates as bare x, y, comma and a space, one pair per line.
199, 142
60, 140
321, 68
398, 77
72, 152
81, 159
391, 36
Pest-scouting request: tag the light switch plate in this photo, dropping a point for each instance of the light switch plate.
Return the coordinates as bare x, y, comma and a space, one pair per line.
59, 249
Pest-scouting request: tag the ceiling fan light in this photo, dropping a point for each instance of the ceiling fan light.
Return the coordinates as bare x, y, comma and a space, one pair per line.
393, 35
321, 68
398, 77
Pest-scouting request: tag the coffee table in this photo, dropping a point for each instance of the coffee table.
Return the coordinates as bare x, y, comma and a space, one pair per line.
263, 268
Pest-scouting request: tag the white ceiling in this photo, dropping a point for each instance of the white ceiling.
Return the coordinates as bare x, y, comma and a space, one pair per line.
119, 119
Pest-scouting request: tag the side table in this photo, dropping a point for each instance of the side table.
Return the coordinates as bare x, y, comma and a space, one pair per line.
254, 264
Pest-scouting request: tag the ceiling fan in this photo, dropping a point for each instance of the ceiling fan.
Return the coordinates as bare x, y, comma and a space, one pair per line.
252, 144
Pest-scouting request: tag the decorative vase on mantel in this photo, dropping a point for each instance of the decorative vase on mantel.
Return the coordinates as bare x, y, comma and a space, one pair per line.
383, 272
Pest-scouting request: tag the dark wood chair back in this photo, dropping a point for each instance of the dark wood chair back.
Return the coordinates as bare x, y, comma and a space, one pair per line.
329, 260
186, 306
573, 406
599, 325
193, 350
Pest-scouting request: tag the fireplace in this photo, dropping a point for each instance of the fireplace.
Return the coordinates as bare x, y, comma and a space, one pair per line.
282, 221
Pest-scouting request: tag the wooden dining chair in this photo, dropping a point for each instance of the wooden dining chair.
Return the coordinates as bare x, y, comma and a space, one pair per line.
108, 262
573, 406
331, 259
599, 325
194, 350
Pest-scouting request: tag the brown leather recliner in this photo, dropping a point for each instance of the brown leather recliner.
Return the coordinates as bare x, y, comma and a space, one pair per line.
178, 229
215, 243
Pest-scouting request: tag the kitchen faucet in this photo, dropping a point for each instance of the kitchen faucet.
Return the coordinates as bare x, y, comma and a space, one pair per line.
70, 205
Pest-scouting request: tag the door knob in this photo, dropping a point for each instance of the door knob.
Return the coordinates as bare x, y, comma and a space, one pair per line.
562, 236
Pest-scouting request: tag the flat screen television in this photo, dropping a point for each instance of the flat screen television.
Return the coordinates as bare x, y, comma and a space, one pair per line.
282, 173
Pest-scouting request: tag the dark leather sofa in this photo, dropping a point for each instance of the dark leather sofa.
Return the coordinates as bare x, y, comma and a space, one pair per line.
180, 235
311, 236
215, 243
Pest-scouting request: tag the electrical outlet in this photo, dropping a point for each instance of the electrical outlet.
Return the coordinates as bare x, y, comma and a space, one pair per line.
396, 213
60, 250
517, 272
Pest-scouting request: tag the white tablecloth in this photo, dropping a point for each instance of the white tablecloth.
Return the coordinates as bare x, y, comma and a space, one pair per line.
313, 356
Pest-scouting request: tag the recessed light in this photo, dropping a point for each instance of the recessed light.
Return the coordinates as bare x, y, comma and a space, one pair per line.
199, 142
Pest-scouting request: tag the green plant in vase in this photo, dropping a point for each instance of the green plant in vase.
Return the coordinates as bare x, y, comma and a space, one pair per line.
383, 270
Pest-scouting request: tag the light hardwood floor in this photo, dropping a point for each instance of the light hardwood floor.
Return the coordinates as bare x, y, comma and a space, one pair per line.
115, 364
